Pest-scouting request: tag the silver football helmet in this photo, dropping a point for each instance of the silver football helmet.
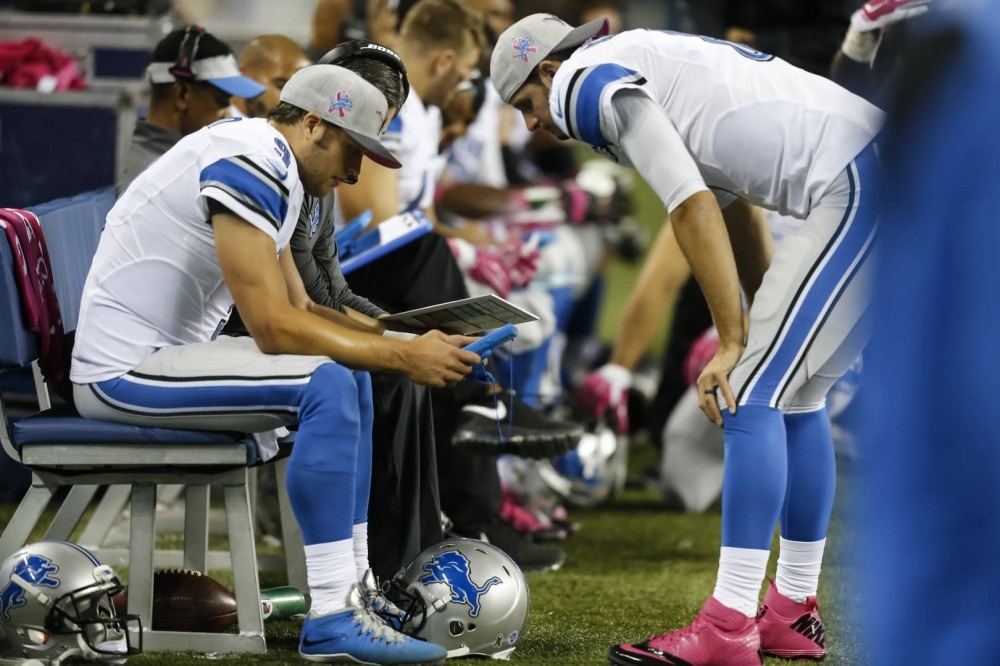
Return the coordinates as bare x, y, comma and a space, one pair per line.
466, 595
584, 476
55, 604
590, 473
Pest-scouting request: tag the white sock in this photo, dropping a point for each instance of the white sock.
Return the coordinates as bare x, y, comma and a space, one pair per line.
799, 563
741, 571
331, 572
360, 535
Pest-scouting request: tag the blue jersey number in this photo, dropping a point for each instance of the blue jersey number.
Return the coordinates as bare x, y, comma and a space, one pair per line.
742, 49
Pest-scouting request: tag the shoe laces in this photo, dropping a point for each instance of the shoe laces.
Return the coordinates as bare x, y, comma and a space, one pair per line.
372, 592
370, 623
666, 641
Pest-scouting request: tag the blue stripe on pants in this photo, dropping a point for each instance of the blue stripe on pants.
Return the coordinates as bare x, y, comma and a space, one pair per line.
329, 472
832, 272
132, 394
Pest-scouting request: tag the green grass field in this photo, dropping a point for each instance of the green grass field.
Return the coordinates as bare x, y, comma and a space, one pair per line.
632, 570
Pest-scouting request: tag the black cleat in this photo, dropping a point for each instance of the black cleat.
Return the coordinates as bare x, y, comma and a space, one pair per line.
522, 430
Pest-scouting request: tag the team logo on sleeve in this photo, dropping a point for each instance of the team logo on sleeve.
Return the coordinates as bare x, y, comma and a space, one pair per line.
314, 218
452, 569
523, 46
342, 104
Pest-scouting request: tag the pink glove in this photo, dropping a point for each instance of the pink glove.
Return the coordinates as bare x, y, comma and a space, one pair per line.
580, 205
491, 270
877, 14
701, 352
521, 260
607, 388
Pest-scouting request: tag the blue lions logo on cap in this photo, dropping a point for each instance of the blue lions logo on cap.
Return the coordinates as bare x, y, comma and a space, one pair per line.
341, 104
314, 218
34, 569
523, 46
452, 569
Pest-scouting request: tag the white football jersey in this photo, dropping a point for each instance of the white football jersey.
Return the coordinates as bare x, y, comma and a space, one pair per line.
414, 135
155, 281
757, 127
477, 157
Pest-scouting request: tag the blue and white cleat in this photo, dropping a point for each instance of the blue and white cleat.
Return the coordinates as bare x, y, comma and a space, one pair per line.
358, 636
379, 603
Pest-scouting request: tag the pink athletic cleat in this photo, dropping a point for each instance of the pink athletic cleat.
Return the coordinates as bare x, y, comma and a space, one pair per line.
790, 630
719, 636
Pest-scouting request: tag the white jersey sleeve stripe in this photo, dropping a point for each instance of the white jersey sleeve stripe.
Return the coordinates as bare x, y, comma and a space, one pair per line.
239, 206
260, 171
249, 186
583, 99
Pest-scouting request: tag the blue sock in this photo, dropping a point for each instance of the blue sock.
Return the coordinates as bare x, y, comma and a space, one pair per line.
324, 461
363, 480
812, 477
754, 474
562, 306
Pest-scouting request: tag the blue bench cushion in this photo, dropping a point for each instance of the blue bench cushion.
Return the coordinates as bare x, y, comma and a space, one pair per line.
62, 425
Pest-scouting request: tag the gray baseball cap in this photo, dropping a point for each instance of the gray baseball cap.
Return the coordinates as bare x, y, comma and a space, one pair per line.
523, 45
344, 99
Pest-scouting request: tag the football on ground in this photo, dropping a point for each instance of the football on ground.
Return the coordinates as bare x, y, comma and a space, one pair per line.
187, 601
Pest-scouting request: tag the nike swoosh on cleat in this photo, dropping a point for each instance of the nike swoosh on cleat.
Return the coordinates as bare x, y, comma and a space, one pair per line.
308, 642
489, 412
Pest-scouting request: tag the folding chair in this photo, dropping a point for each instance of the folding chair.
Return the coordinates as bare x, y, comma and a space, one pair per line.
64, 450
73, 227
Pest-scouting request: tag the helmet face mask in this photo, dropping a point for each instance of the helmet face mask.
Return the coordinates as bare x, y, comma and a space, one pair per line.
466, 595
56, 602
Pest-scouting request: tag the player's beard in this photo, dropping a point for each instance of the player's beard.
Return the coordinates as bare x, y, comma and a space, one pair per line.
317, 186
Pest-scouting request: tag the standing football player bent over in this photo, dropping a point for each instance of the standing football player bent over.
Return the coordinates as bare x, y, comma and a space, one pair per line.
714, 128
208, 225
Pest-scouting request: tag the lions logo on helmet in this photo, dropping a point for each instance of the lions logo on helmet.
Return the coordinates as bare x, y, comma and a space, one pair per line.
443, 603
56, 605
34, 569
452, 569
